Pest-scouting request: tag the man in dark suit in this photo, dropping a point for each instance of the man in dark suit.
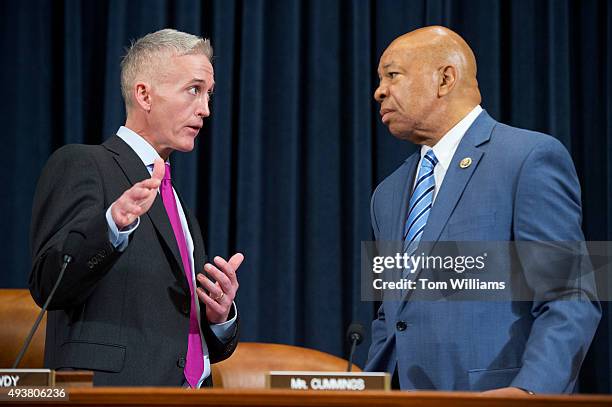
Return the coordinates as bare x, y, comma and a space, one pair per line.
475, 179
138, 305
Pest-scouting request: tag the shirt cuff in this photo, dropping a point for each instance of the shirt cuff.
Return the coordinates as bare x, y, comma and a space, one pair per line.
119, 238
226, 330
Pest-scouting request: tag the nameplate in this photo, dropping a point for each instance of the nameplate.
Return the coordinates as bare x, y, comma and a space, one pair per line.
347, 381
26, 377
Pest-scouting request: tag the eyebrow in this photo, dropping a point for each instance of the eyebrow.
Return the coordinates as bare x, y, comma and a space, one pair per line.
198, 80
385, 67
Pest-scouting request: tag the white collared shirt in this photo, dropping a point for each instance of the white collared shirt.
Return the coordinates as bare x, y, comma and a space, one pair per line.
445, 148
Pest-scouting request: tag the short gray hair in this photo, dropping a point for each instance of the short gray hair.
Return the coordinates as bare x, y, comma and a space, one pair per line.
143, 56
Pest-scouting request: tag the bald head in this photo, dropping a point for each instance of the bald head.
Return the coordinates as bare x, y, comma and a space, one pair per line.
440, 46
427, 84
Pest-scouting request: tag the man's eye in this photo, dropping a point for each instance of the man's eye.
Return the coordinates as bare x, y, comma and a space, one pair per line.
194, 90
392, 74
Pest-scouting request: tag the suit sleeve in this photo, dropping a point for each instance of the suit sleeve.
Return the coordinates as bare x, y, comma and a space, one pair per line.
217, 349
379, 330
69, 198
565, 315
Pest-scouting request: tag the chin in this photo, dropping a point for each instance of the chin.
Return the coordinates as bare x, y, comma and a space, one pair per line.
186, 146
401, 134
187, 149
186, 142
405, 134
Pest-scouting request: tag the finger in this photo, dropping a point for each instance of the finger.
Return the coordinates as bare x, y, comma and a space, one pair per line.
137, 193
219, 276
150, 183
226, 268
123, 220
214, 289
220, 312
236, 260
159, 169
132, 209
124, 207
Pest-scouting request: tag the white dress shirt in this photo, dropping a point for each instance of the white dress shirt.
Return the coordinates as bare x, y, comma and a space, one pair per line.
445, 148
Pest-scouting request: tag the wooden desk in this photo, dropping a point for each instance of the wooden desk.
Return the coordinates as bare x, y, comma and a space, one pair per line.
242, 398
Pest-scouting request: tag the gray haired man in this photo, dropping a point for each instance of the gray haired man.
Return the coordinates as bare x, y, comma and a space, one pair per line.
139, 305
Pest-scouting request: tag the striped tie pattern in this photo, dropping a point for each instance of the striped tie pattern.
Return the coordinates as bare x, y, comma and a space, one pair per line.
421, 202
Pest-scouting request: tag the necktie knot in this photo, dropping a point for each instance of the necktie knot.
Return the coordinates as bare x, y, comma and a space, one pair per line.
429, 160
167, 176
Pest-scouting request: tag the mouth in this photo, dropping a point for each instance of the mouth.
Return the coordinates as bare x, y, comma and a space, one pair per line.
384, 114
195, 128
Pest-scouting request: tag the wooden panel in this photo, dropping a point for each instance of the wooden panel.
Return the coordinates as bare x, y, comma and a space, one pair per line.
250, 363
18, 311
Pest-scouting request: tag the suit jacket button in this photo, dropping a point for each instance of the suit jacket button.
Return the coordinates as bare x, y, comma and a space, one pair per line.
185, 308
181, 362
401, 326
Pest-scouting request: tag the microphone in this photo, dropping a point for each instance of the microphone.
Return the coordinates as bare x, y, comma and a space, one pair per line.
354, 335
71, 247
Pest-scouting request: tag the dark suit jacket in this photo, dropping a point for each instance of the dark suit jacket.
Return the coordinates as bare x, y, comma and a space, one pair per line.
123, 315
520, 186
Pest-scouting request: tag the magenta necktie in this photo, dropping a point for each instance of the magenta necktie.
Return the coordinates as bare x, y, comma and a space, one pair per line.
194, 366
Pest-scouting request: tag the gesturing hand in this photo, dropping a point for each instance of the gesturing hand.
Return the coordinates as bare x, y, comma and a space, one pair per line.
138, 199
219, 296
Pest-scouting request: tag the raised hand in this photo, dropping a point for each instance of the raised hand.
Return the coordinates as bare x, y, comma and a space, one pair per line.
219, 296
138, 199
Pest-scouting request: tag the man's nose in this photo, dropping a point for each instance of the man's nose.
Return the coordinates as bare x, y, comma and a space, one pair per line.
203, 109
380, 93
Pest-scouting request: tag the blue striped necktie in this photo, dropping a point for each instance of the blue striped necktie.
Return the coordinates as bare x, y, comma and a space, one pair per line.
421, 202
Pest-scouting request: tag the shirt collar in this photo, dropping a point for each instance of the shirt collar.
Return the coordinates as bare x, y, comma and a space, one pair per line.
141, 147
446, 147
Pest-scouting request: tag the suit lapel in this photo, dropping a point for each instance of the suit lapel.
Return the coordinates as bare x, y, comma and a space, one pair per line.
136, 171
401, 198
457, 178
402, 194
455, 181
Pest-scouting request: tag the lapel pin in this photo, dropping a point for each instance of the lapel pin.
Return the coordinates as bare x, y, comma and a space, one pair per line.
466, 162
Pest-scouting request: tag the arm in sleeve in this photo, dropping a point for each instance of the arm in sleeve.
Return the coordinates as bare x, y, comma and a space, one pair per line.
565, 314
119, 238
221, 347
379, 338
379, 330
226, 330
69, 197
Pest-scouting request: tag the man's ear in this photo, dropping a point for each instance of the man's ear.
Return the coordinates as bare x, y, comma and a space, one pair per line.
142, 95
447, 80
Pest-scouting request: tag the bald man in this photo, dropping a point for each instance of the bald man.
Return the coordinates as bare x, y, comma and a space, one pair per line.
474, 179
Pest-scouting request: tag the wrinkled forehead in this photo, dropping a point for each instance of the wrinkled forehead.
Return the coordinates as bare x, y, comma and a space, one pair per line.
393, 57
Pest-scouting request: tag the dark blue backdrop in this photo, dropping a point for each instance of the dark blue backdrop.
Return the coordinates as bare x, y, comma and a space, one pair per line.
285, 167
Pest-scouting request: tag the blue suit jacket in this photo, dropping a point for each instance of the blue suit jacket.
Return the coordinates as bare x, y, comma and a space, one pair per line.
521, 185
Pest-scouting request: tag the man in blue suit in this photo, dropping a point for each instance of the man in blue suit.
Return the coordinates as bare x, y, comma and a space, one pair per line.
474, 179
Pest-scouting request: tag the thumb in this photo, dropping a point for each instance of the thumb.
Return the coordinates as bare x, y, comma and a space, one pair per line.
159, 169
